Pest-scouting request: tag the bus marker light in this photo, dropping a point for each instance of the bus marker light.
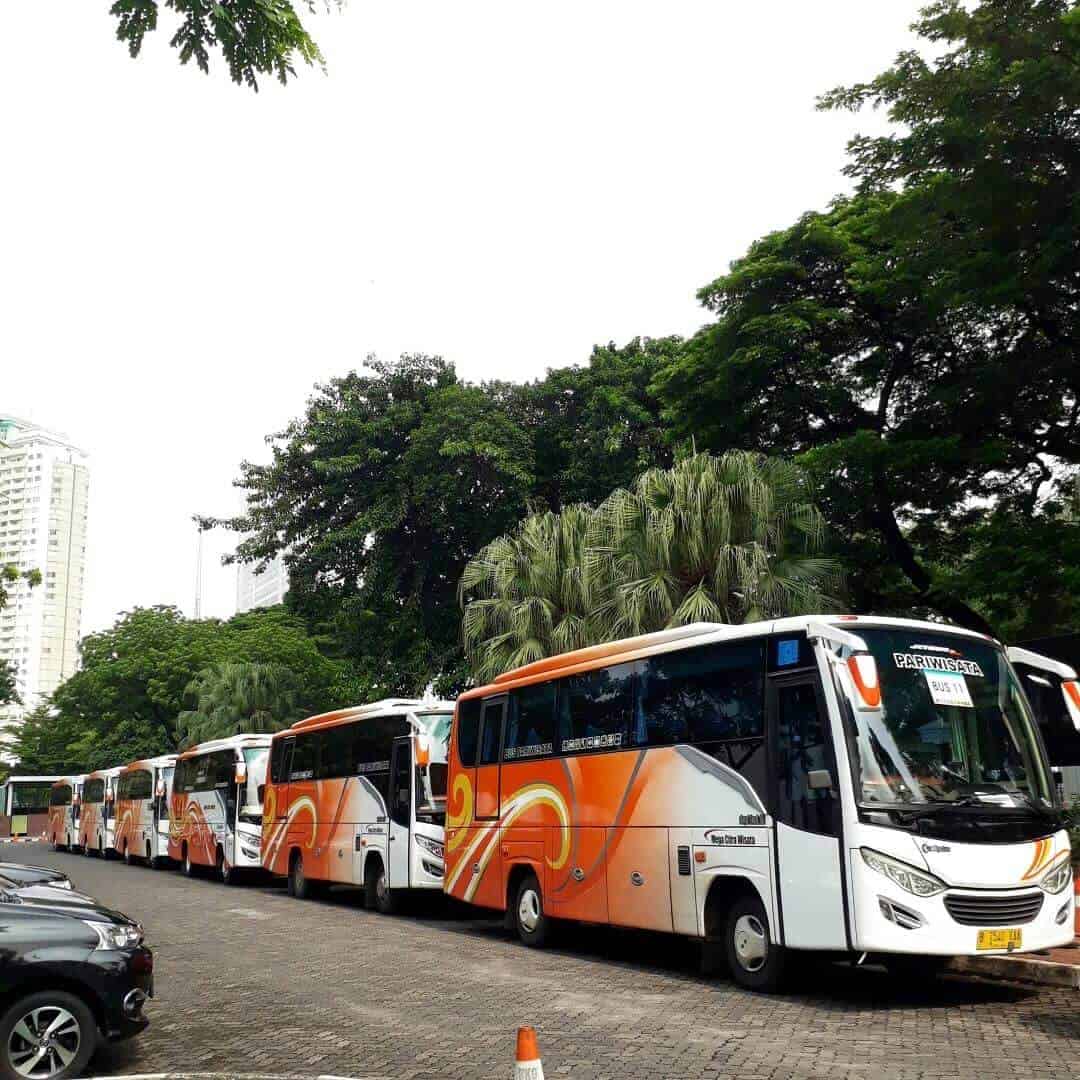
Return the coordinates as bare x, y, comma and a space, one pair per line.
700, 856
1071, 689
864, 676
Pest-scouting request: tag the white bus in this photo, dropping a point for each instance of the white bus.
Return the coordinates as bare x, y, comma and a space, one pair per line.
856, 786
216, 808
65, 803
358, 797
142, 810
97, 818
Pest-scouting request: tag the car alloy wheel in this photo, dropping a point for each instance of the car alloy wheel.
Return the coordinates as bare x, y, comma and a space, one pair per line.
44, 1042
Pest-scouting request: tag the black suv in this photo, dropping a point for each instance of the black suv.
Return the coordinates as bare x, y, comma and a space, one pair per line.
71, 976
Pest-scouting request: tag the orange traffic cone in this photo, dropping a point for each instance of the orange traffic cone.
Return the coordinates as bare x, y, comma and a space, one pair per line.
527, 1064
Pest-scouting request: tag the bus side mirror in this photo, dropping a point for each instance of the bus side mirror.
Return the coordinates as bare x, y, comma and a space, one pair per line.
262, 792
819, 780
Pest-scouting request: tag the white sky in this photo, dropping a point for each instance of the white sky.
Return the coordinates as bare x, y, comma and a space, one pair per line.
502, 183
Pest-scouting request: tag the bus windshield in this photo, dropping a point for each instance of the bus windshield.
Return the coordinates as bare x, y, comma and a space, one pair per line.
431, 778
251, 808
953, 728
32, 798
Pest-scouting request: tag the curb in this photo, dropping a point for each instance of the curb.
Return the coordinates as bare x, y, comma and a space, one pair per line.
1018, 969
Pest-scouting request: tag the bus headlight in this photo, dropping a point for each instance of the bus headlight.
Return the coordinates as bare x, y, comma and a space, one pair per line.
432, 847
1057, 879
917, 882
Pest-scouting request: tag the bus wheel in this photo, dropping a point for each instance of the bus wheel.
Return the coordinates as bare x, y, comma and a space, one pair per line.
378, 896
755, 961
129, 859
229, 874
299, 885
55, 843
189, 866
86, 848
532, 924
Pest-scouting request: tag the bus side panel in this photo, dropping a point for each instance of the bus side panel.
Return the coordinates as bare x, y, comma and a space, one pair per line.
127, 811
275, 853
576, 885
302, 831
639, 890
331, 857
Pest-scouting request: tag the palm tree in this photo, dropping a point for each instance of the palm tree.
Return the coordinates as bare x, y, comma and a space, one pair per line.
238, 697
726, 539
714, 539
525, 595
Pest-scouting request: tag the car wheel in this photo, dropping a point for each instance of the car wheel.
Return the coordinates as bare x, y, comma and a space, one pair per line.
532, 924
46, 1036
754, 959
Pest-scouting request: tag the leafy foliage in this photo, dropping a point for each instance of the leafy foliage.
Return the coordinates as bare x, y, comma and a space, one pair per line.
234, 698
916, 345
256, 37
125, 700
724, 539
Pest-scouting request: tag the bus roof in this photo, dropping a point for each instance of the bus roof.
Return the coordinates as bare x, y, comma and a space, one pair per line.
116, 770
233, 742
388, 706
32, 779
152, 762
634, 648
69, 779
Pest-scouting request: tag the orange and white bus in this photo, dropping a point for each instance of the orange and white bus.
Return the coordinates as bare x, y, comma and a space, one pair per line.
142, 810
216, 810
852, 785
64, 806
358, 797
24, 806
97, 817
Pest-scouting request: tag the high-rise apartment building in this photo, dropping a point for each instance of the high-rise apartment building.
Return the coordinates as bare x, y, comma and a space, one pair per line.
261, 590
44, 483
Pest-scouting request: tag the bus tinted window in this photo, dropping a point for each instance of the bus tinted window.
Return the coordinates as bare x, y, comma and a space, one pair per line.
491, 735
595, 709
530, 730
61, 795
467, 732
336, 752
305, 757
277, 753
30, 798
710, 694
94, 791
136, 785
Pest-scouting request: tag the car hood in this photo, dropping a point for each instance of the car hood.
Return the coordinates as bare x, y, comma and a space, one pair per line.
64, 902
28, 874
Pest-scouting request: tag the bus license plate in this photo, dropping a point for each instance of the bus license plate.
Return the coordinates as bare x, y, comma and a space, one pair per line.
999, 939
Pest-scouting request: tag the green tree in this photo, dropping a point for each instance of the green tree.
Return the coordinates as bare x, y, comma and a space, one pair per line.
125, 700
237, 697
38, 744
255, 37
377, 496
525, 595
726, 539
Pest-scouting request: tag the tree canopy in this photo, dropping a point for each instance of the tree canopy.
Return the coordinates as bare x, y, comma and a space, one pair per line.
255, 37
916, 345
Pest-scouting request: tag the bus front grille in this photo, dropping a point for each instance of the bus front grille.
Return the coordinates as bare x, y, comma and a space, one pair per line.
973, 909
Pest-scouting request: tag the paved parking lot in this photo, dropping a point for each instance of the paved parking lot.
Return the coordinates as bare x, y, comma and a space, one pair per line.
251, 981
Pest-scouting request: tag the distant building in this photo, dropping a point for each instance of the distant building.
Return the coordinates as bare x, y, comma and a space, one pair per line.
254, 590
44, 485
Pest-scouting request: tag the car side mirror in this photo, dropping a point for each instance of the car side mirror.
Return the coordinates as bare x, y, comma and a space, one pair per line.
819, 780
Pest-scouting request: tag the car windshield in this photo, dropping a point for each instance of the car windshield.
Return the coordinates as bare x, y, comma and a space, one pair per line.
954, 726
256, 759
431, 778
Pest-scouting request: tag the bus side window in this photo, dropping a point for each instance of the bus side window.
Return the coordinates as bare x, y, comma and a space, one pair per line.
467, 730
595, 709
530, 729
401, 776
492, 736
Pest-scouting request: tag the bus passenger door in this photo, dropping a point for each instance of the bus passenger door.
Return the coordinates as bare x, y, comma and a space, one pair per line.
401, 800
807, 813
487, 860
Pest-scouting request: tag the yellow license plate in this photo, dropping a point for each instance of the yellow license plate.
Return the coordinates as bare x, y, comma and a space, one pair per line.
999, 939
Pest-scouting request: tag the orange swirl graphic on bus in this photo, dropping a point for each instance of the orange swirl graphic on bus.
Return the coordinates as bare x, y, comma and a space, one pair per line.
277, 837
457, 819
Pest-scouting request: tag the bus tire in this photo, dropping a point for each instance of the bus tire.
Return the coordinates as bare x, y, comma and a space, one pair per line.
300, 885
190, 870
55, 842
229, 874
378, 896
532, 925
755, 961
86, 848
129, 859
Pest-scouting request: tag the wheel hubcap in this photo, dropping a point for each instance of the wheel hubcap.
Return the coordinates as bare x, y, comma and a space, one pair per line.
44, 1042
529, 910
751, 944
299, 873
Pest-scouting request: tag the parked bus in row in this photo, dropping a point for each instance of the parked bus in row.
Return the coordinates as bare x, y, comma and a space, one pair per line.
65, 801
1054, 693
216, 811
142, 810
24, 806
97, 818
851, 785
358, 797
